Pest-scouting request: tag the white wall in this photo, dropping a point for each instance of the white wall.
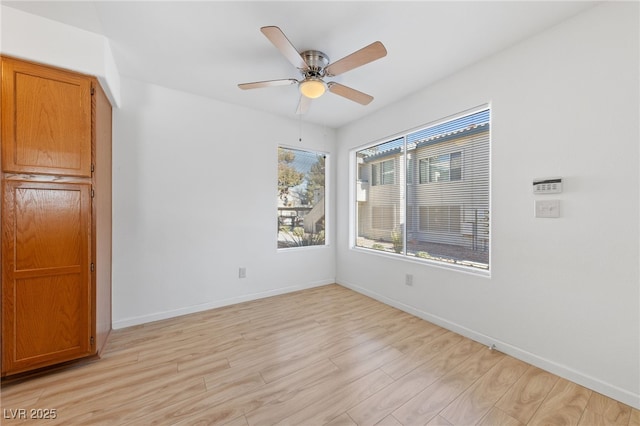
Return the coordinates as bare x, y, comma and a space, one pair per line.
195, 198
32, 37
563, 293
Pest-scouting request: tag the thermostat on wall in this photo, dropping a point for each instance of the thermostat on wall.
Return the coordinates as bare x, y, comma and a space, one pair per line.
547, 185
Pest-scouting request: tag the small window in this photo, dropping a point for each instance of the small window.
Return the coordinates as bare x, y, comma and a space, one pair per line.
443, 219
410, 168
455, 166
382, 217
301, 198
443, 168
383, 173
423, 165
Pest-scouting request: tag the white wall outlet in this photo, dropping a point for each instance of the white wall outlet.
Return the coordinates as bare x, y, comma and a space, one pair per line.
548, 208
242, 272
408, 279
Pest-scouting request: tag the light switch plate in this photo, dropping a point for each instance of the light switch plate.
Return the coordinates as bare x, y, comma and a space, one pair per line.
548, 208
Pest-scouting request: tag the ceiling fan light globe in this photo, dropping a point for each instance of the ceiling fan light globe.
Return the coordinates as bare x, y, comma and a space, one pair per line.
312, 88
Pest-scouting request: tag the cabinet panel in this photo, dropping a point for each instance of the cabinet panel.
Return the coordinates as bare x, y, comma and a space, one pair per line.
48, 227
49, 316
46, 120
46, 278
102, 124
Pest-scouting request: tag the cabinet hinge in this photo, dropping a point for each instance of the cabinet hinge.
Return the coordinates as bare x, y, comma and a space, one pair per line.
93, 267
93, 193
92, 168
92, 340
93, 91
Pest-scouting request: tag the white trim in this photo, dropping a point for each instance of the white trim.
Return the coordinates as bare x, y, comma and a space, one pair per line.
295, 249
352, 187
485, 273
143, 319
561, 370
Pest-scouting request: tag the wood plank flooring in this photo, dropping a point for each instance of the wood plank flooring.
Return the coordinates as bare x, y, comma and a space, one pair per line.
321, 356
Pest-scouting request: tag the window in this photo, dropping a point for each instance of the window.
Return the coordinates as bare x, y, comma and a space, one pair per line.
440, 219
301, 198
410, 169
383, 173
443, 168
382, 217
445, 217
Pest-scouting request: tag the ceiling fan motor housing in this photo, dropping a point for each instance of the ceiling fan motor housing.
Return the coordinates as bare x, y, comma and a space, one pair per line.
316, 61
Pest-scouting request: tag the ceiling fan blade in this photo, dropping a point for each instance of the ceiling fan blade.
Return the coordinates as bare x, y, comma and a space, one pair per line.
349, 93
303, 105
280, 41
268, 83
370, 53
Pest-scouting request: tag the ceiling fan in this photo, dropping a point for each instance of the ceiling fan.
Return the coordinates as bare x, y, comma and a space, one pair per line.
315, 67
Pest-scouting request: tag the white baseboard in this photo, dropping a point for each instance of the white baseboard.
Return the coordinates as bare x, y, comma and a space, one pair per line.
564, 371
143, 319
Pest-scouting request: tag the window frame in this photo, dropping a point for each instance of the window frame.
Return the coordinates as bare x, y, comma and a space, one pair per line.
327, 200
407, 255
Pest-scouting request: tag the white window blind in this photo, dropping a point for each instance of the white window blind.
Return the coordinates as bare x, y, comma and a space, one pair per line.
429, 193
381, 215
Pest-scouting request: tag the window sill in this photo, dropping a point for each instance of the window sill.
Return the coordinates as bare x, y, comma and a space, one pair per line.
301, 248
425, 262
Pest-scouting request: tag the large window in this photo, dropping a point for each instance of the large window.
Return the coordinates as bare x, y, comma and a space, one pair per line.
301, 198
441, 214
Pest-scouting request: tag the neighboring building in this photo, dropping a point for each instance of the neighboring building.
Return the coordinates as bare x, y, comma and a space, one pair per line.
445, 189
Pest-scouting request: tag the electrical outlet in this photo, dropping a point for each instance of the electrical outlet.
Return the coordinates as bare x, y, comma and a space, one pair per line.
408, 279
242, 272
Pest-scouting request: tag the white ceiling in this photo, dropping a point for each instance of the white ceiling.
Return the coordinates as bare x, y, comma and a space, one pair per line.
208, 47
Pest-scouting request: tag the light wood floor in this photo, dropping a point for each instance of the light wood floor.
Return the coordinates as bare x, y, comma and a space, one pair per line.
321, 356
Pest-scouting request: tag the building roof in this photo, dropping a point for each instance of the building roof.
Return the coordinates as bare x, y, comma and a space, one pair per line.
439, 133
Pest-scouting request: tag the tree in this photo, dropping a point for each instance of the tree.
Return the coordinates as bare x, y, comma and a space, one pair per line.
288, 176
315, 179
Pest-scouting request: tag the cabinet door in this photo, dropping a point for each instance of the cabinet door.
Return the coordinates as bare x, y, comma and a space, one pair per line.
46, 277
46, 120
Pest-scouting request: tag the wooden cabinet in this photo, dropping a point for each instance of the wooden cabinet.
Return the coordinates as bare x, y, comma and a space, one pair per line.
56, 216
46, 291
46, 116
